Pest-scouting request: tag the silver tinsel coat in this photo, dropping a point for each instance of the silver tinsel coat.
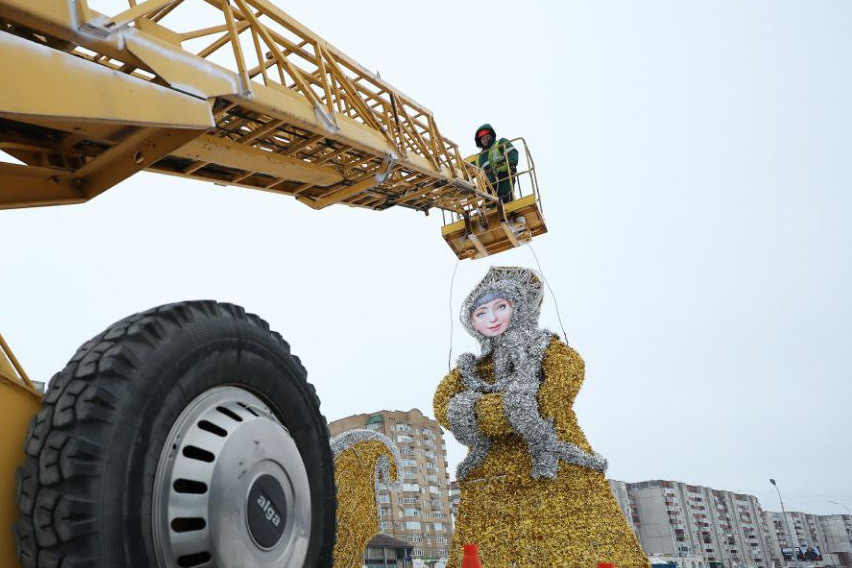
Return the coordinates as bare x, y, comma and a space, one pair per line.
517, 356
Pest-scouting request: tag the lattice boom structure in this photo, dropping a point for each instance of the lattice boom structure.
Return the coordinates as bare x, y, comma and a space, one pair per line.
230, 91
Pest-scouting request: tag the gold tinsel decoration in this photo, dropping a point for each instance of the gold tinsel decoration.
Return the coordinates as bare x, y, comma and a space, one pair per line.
357, 513
521, 522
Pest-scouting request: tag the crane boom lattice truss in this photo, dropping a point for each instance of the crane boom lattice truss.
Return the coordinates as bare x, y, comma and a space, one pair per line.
230, 91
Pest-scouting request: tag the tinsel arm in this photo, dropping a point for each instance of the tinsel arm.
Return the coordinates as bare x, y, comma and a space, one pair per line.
491, 415
449, 387
564, 371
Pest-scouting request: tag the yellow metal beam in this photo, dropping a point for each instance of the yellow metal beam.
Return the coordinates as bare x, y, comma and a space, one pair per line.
18, 405
27, 186
131, 14
10, 367
483, 252
243, 157
131, 155
339, 195
44, 82
171, 63
19, 402
510, 234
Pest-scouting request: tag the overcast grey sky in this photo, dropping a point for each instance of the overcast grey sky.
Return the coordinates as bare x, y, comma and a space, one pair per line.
695, 161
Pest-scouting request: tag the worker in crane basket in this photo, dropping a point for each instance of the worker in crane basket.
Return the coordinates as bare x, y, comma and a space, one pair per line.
499, 159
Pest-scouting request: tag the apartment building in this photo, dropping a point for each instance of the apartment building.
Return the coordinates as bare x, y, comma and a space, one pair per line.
837, 530
710, 527
828, 535
627, 505
701, 527
420, 513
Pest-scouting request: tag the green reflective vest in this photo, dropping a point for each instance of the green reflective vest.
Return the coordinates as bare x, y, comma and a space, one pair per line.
497, 158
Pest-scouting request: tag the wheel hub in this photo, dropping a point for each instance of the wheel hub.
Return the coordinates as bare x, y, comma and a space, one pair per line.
267, 511
231, 489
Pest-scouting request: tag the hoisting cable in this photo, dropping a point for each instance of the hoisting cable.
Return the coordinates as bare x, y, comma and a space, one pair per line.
452, 323
546, 283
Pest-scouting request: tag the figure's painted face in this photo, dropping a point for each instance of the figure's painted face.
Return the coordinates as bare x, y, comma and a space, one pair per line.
492, 318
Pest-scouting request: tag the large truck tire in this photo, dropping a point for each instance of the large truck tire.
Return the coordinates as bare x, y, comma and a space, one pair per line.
186, 436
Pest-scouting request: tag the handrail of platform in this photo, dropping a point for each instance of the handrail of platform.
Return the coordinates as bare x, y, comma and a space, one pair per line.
527, 172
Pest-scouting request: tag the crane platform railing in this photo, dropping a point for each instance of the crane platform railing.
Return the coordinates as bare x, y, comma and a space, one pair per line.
500, 226
230, 91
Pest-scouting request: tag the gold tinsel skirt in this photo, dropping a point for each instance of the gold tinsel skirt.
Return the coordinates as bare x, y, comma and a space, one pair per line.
520, 522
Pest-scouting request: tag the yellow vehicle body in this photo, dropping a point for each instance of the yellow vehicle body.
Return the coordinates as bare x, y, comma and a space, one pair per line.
19, 402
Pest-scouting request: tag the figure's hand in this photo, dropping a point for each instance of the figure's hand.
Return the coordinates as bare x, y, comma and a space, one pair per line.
525, 390
545, 468
597, 462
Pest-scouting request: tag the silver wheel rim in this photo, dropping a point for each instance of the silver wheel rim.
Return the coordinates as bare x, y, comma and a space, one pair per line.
231, 489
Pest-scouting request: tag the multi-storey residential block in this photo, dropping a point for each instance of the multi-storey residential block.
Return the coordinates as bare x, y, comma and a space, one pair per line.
829, 535
716, 529
701, 527
420, 512
838, 533
628, 506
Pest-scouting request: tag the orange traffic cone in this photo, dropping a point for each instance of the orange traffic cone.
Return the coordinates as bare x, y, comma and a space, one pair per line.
471, 557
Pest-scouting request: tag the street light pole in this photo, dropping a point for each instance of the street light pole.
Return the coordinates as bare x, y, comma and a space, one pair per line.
787, 522
840, 505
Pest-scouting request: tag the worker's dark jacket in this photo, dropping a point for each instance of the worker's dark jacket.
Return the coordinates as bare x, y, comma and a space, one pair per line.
497, 160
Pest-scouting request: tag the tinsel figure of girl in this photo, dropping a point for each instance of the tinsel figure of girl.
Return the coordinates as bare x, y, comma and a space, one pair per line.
533, 492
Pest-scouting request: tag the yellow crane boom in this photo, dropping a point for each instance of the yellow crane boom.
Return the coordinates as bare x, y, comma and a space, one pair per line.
230, 91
